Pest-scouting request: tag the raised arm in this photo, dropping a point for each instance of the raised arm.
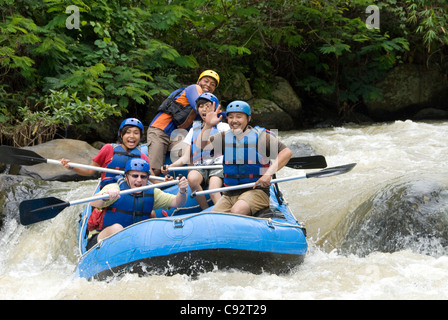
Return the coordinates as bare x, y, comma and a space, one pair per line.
211, 119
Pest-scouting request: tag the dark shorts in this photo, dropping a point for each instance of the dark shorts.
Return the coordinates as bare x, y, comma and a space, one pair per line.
92, 241
207, 173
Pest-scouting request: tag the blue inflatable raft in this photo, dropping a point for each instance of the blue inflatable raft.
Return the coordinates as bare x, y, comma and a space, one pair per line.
190, 241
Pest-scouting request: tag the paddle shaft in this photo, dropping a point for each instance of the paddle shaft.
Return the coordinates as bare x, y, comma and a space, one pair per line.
211, 167
26, 157
95, 168
310, 162
84, 166
134, 190
319, 174
244, 186
36, 210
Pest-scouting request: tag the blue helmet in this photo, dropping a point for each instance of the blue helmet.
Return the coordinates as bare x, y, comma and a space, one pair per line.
137, 164
238, 106
131, 122
209, 97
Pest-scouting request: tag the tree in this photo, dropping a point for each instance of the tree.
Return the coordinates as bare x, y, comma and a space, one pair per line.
126, 52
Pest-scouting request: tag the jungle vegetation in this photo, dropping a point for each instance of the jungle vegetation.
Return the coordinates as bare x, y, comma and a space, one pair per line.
77, 62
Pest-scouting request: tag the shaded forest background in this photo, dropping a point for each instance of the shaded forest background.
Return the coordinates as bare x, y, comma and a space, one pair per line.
127, 56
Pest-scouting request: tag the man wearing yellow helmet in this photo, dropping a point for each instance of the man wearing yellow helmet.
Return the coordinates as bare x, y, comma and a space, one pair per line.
176, 112
210, 74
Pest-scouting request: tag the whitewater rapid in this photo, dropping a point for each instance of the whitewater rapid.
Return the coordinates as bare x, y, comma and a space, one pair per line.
38, 262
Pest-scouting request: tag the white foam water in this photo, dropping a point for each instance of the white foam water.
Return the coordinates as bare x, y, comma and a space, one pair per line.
38, 262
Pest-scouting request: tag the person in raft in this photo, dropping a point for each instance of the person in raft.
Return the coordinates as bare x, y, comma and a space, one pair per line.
176, 112
116, 155
120, 211
200, 178
246, 159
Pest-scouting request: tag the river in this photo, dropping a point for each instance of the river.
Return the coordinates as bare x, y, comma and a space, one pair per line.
377, 232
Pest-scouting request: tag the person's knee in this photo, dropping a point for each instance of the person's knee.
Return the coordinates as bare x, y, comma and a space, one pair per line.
117, 227
110, 231
195, 182
241, 207
195, 186
215, 183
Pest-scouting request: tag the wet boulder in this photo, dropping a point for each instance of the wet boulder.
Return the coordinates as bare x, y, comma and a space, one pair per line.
13, 189
406, 216
284, 96
269, 115
407, 89
75, 150
236, 88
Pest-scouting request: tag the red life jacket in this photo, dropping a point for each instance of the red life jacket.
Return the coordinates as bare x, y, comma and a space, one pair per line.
96, 219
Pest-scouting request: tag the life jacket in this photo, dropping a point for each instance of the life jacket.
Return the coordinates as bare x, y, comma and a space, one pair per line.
119, 159
200, 156
183, 116
95, 221
129, 208
242, 162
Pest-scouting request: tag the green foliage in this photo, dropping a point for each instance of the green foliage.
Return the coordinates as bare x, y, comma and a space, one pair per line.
431, 21
16, 33
323, 47
64, 109
352, 57
111, 58
60, 110
126, 52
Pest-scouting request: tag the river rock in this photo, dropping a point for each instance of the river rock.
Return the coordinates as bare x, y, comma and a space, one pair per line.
407, 89
13, 188
410, 215
75, 150
431, 114
237, 88
269, 115
285, 97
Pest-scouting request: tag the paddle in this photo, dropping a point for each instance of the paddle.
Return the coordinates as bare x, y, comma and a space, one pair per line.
36, 210
311, 162
24, 157
319, 174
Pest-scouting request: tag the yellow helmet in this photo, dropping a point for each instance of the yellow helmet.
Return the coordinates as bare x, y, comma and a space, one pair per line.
210, 73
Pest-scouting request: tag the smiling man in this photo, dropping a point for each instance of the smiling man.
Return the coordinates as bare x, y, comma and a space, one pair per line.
248, 152
117, 212
176, 112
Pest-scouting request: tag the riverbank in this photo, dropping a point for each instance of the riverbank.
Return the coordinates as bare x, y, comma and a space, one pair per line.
408, 92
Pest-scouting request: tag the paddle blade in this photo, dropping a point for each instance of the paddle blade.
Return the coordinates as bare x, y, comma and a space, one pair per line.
20, 157
331, 171
312, 162
32, 211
